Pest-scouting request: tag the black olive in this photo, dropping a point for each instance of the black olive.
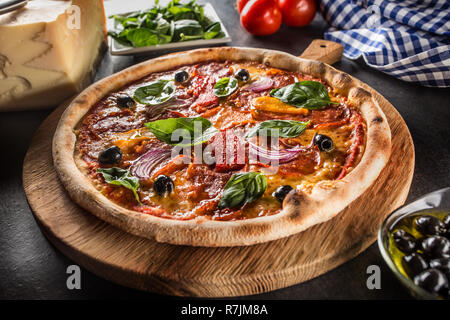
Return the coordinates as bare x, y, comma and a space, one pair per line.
282, 192
443, 265
125, 101
440, 263
414, 264
432, 280
429, 225
323, 142
404, 241
243, 75
163, 184
181, 76
112, 155
436, 247
447, 222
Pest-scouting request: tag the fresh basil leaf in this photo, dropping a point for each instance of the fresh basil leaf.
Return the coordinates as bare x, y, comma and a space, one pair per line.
243, 188
161, 24
304, 94
286, 128
155, 93
121, 177
225, 86
120, 36
142, 37
164, 130
186, 27
213, 30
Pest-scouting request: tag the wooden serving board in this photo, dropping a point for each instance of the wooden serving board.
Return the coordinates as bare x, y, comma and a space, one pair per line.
215, 272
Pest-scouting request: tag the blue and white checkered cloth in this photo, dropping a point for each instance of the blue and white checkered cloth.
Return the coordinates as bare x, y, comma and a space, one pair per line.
407, 39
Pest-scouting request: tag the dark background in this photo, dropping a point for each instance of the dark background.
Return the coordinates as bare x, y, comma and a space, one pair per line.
31, 268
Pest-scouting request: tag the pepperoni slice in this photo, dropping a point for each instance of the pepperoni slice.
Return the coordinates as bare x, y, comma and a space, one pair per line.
305, 163
229, 151
357, 137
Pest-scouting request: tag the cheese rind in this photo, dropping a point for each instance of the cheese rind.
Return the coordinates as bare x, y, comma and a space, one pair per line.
45, 55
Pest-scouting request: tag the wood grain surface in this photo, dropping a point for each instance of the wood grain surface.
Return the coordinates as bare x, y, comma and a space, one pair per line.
324, 50
213, 272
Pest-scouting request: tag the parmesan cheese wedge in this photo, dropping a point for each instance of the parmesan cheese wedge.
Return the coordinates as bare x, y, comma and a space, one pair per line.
48, 50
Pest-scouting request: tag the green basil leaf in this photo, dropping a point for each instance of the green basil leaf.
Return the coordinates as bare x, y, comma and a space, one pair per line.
286, 128
155, 93
164, 130
186, 27
121, 177
213, 30
142, 37
304, 94
162, 24
225, 86
243, 188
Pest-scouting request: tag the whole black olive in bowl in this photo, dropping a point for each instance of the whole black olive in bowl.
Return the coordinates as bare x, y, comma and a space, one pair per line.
441, 264
404, 241
111, 155
414, 264
436, 247
446, 222
432, 280
430, 255
429, 225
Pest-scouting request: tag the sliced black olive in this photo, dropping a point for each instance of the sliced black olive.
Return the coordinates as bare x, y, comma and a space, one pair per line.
432, 280
112, 155
243, 75
429, 225
125, 101
323, 142
414, 264
282, 192
181, 76
163, 184
404, 241
436, 247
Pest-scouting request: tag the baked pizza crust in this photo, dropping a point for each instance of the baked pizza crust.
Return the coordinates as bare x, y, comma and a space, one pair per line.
300, 210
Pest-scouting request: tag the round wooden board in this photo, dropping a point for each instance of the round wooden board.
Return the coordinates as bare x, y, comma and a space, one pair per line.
213, 272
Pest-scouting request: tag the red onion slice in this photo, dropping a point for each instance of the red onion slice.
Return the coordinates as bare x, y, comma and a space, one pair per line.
155, 111
282, 156
143, 166
261, 85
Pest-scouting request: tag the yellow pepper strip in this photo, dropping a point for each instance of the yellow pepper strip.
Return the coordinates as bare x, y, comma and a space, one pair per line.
271, 104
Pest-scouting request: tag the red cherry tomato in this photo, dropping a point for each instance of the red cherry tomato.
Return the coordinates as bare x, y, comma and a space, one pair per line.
240, 4
297, 13
261, 17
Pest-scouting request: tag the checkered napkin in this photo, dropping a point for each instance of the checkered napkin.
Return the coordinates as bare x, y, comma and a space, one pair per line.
407, 39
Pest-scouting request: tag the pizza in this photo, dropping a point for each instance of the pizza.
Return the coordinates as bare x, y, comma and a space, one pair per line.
221, 146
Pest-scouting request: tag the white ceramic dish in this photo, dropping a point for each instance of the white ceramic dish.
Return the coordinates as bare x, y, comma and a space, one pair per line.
118, 49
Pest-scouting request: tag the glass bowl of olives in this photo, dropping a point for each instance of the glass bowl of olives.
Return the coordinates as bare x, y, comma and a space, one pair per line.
414, 241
